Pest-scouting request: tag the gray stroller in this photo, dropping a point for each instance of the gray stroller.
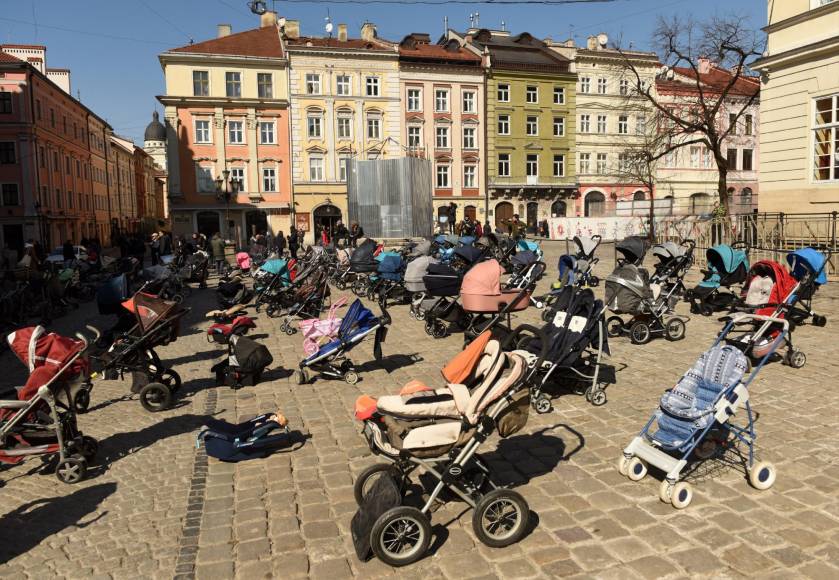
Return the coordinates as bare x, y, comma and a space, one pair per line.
414, 273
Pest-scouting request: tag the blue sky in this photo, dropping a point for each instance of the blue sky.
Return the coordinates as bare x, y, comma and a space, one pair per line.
112, 45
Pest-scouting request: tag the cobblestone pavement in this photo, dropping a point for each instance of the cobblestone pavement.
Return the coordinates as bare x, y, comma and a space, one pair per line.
155, 508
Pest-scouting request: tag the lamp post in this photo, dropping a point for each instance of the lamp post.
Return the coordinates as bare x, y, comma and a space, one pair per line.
225, 189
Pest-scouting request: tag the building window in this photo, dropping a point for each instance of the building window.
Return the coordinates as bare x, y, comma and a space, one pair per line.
441, 101
342, 167
732, 123
731, 156
42, 157
6, 103
237, 175
623, 162
414, 136
201, 83
312, 84
374, 128
233, 83
748, 164
503, 124
269, 179
67, 168
235, 133
78, 168
559, 96
443, 176
52, 111
503, 165
749, 122
469, 138
532, 126
57, 198
265, 85
470, 176
601, 163
469, 104
585, 85
695, 152
559, 165
826, 139
601, 123
344, 127
532, 166
442, 137
624, 87
585, 123
266, 133
559, 126
415, 100
38, 108
504, 93
585, 162
342, 85
10, 194
532, 94
640, 124
314, 125
623, 124
204, 179
55, 165
7, 152
601, 86
202, 131
372, 86
316, 169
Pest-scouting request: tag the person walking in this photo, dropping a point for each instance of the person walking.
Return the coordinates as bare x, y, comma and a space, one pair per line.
516, 226
68, 253
154, 248
324, 236
452, 216
479, 230
280, 244
217, 246
293, 243
356, 232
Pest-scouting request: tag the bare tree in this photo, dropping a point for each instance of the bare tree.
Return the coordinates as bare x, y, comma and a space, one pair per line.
705, 67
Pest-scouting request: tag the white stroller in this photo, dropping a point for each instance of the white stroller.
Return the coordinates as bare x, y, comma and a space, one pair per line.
414, 273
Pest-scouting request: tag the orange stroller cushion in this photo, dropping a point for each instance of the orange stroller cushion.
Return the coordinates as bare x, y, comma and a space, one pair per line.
365, 406
461, 366
414, 386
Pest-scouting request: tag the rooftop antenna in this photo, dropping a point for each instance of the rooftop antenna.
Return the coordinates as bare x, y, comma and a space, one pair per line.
445, 24
328, 24
503, 26
474, 19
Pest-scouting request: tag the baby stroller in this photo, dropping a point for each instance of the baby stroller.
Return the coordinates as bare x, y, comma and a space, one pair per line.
342, 277
331, 359
576, 269
694, 421
233, 292
194, 269
674, 261
245, 363
440, 431
157, 323
524, 267
269, 280
441, 308
317, 332
727, 266
308, 301
362, 264
390, 278
415, 271
576, 334
629, 291
221, 332
42, 421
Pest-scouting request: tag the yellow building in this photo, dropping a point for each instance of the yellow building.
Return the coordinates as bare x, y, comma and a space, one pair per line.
799, 107
344, 96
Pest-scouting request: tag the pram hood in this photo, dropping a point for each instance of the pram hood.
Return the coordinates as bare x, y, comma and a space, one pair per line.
627, 287
483, 279
808, 260
391, 267
525, 258
726, 266
416, 269
633, 249
422, 248
524, 245
470, 254
783, 284
243, 260
248, 355
466, 240
668, 251
275, 266
585, 246
148, 309
358, 318
364, 252
35, 347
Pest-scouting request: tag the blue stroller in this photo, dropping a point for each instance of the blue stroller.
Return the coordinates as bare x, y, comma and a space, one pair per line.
389, 281
525, 246
331, 359
727, 266
694, 419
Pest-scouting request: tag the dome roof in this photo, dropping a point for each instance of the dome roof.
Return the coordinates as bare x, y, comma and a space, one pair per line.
155, 130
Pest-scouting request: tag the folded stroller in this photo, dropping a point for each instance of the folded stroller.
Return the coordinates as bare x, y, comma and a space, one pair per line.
252, 439
156, 323
727, 266
42, 421
415, 271
221, 332
233, 292
694, 422
331, 359
440, 431
245, 363
629, 291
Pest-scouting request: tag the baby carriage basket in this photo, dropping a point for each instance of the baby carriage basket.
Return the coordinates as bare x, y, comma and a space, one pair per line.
629, 291
440, 431
317, 331
42, 421
694, 421
157, 323
415, 271
727, 266
245, 363
577, 342
331, 360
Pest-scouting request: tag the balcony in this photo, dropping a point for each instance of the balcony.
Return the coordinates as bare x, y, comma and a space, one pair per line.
532, 181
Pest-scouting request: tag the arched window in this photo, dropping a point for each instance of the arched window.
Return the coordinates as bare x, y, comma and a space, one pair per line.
558, 208
639, 196
443, 212
700, 204
595, 205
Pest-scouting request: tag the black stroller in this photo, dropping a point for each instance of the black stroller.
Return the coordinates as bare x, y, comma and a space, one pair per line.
245, 363
309, 300
362, 264
193, 268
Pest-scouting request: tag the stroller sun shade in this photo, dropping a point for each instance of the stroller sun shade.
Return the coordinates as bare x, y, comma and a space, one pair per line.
364, 252
36, 348
808, 260
585, 246
423, 248
148, 309
732, 265
470, 254
667, 251
390, 268
633, 249
484, 279
358, 318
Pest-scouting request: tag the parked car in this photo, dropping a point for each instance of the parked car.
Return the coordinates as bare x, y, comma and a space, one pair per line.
57, 255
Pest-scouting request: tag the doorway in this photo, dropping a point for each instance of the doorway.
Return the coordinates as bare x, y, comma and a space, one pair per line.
256, 221
470, 212
532, 215
13, 237
558, 208
503, 214
326, 216
595, 205
207, 223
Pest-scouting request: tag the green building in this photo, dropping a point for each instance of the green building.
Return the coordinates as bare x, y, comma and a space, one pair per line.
530, 127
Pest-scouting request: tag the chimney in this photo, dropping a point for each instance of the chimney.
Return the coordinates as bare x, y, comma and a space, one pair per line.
342, 32
268, 19
368, 31
224, 30
591, 43
292, 28
704, 65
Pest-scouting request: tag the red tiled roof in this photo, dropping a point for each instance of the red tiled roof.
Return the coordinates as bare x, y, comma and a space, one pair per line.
353, 43
423, 51
717, 78
263, 42
5, 57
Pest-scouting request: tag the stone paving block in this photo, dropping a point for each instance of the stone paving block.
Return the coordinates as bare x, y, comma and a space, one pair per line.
653, 567
330, 570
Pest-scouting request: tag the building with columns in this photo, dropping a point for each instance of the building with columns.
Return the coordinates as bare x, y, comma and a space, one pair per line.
226, 119
154, 143
345, 103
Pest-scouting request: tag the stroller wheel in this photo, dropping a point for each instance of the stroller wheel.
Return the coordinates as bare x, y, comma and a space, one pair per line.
796, 359
636, 469
500, 518
289, 329
81, 402
597, 397
439, 330
351, 377
400, 536
368, 478
429, 328
762, 475
72, 469
302, 377
819, 320
155, 397
640, 333
614, 326
270, 311
681, 495
707, 310
542, 404
623, 465
674, 329
421, 314
171, 379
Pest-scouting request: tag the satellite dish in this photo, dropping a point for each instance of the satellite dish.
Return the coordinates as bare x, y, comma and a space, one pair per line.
329, 28
602, 39
258, 7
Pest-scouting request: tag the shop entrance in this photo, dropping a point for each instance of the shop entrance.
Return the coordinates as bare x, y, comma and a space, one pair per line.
326, 216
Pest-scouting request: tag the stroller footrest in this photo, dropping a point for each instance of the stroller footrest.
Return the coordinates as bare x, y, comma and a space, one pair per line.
654, 456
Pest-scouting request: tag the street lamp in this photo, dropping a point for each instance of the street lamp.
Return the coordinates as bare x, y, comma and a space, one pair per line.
225, 189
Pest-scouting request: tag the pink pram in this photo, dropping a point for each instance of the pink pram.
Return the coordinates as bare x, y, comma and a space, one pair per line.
318, 331
243, 259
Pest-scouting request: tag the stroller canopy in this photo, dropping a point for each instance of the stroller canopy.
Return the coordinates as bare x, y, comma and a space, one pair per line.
470, 254
391, 266
725, 259
423, 248
524, 245
364, 252
416, 269
111, 294
633, 249
525, 259
243, 259
275, 266
586, 246
358, 319
808, 260
667, 251
148, 309
35, 347
466, 240
483, 280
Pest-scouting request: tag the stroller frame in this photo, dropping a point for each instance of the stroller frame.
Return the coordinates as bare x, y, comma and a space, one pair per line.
653, 319
642, 450
310, 306
717, 299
